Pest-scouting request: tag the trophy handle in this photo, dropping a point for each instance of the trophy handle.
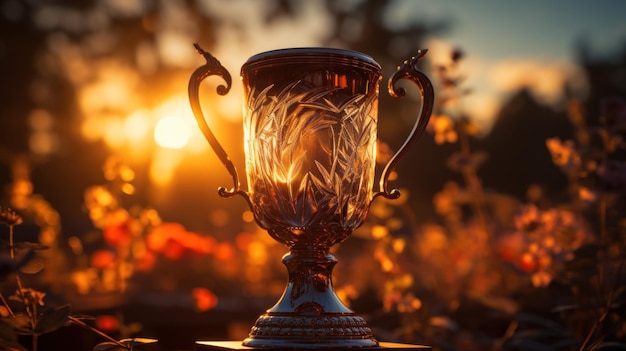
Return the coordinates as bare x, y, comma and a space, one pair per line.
408, 70
213, 67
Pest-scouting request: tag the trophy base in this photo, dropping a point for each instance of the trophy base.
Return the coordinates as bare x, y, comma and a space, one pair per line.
325, 330
237, 345
309, 314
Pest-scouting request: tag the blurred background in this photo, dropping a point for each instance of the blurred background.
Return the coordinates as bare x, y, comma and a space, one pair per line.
521, 168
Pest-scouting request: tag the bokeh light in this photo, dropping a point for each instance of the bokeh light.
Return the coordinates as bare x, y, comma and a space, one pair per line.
172, 132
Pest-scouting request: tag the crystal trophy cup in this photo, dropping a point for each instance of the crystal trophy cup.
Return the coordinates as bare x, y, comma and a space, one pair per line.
310, 126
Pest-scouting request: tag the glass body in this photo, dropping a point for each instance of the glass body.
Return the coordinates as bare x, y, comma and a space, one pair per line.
310, 118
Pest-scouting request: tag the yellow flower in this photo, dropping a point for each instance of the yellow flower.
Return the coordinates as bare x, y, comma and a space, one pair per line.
563, 153
443, 128
528, 219
29, 296
541, 279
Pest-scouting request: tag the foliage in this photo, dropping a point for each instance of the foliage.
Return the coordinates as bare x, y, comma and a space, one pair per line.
132, 246
496, 273
37, 318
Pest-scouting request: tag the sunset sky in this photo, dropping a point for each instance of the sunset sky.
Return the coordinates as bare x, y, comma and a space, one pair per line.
510, 44
507, 44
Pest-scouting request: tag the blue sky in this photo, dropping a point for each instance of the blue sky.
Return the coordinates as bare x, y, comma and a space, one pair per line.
530, 28
519, 44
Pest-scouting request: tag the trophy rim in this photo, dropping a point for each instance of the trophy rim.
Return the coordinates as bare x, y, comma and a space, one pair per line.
308, 54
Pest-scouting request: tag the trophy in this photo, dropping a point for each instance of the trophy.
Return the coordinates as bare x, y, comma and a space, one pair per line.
310, 128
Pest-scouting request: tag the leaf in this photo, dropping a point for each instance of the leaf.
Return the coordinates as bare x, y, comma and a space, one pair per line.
52, 319
8, 337
131, 343
6, 331
138, 341
20, 323
540, 321
32, 267
32, 246
109, 346
610, 346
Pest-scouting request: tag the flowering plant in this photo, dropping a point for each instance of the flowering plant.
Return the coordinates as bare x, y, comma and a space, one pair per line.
37, 318
542, 275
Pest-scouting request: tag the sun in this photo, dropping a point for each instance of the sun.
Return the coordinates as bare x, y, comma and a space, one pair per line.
172, 132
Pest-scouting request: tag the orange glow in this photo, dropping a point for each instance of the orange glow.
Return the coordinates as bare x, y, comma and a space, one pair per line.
163, 165
172, 133
137, 125
107, 323
225, 252
205, 299
40, 120
75, 244
243, 241
257, 252
247, 216
112, 133
219, 218
379, 232
206, 245
173, 249
527, 263
113, 90
347, 293
173, 47
398, 245
128, 189
102, 259
146, 262
117, 230
157, 238
386, 263
42, 140
43, 143
174, 241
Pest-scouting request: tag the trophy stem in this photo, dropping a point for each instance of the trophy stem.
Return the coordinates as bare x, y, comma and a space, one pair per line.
309, 314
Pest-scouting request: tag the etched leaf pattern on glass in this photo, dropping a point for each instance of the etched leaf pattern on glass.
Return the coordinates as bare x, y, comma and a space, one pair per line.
309, 157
